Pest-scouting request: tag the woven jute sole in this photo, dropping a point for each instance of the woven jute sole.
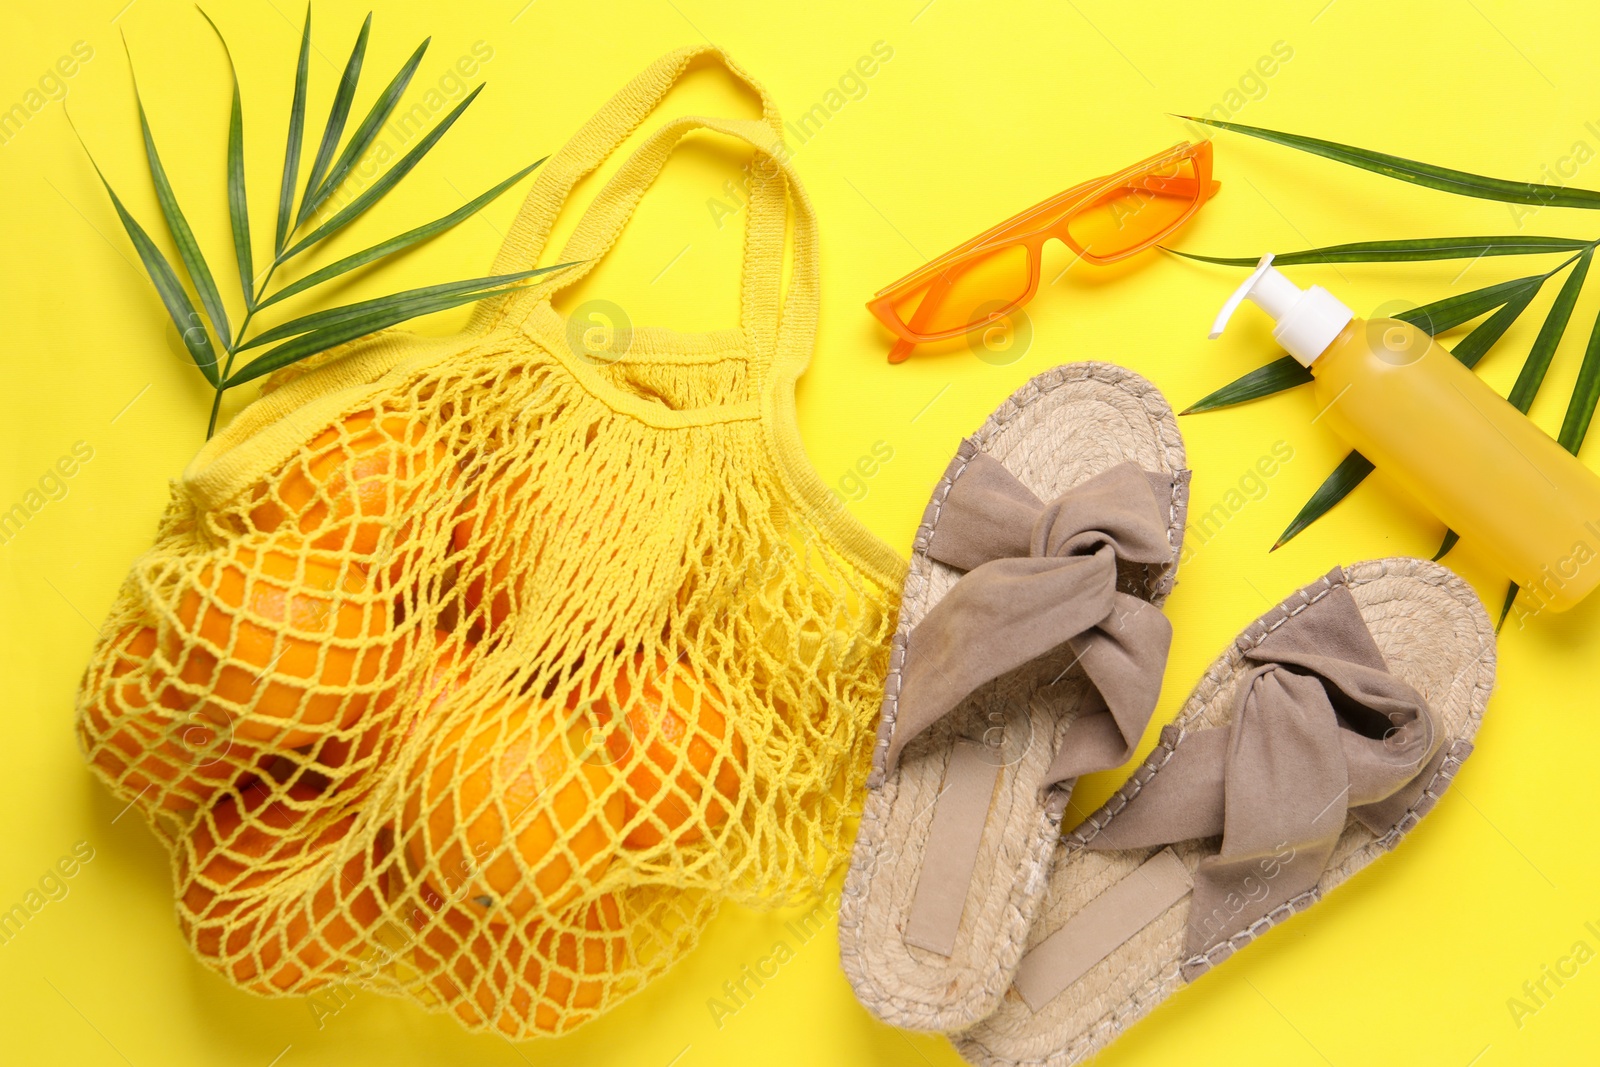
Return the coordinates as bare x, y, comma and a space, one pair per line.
1433, 633
1062, 427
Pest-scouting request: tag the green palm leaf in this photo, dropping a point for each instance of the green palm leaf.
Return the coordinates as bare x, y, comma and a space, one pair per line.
395, 309
208, 337
1407, 251
165, 279
1544, 346
1285, 372
318, 320
367, 132
1476, 344
1512, 298
238, 204
1505, 609
291, 151
396, 244
1580, 409
188, 248
1449, 542
338, 114
1443, 178
388, 180
1441, 315
1345, 477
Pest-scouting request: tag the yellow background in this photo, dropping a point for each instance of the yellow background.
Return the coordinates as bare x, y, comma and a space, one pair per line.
982, 110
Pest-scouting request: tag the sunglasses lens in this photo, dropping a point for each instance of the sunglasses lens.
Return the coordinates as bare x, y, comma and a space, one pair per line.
1138, 214
968, 293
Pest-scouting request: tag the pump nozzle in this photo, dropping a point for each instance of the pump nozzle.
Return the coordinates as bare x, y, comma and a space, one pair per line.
1307, 319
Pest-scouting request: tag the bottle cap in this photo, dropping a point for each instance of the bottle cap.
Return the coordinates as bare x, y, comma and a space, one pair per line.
1307, 319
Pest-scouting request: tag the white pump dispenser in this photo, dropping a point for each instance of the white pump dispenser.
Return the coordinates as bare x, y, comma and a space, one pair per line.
1308, 320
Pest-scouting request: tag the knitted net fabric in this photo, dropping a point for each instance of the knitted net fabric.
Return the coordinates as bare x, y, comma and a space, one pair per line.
469, 682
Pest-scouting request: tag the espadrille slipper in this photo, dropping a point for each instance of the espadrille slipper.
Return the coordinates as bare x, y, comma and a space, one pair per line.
1311, 746
1029, 651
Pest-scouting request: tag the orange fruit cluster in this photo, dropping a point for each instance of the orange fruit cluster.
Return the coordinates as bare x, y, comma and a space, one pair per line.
530, 805
282, 679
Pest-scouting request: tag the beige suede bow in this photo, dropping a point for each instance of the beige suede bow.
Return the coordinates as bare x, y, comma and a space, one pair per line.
1322, 730
1040, 576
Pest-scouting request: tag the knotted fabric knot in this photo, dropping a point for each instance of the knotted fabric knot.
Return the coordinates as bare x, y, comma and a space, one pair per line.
1321, 730
1038, 576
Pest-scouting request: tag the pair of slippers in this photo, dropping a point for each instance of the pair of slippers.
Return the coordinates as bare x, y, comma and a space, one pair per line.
1030, 651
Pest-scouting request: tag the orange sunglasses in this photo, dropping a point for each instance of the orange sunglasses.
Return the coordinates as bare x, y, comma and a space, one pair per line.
996, 272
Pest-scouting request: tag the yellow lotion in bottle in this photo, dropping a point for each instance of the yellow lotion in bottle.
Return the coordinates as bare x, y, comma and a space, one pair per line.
1469, 456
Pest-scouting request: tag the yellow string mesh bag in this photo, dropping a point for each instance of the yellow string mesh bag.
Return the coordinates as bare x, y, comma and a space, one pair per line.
483, 671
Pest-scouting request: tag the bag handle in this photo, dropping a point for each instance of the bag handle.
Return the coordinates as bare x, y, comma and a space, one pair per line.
613, 206
273, 426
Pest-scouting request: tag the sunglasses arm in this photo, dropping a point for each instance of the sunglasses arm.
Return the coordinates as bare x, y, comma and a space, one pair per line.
925, 308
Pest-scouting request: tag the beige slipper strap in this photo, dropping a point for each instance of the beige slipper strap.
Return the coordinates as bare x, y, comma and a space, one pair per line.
1104, 925
1321, 730
954, 836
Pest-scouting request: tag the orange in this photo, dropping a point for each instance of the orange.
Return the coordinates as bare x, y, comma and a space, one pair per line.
346, 761
548, 978
509, 799
508, 535
666, 761
265, 943
310, 941
450, 671
576, 964
491, 561
462, 959
342, 764
163, 750
284, 619
351, 482
229, 857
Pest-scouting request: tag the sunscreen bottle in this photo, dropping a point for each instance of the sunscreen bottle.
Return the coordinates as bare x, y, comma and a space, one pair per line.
1475, 461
